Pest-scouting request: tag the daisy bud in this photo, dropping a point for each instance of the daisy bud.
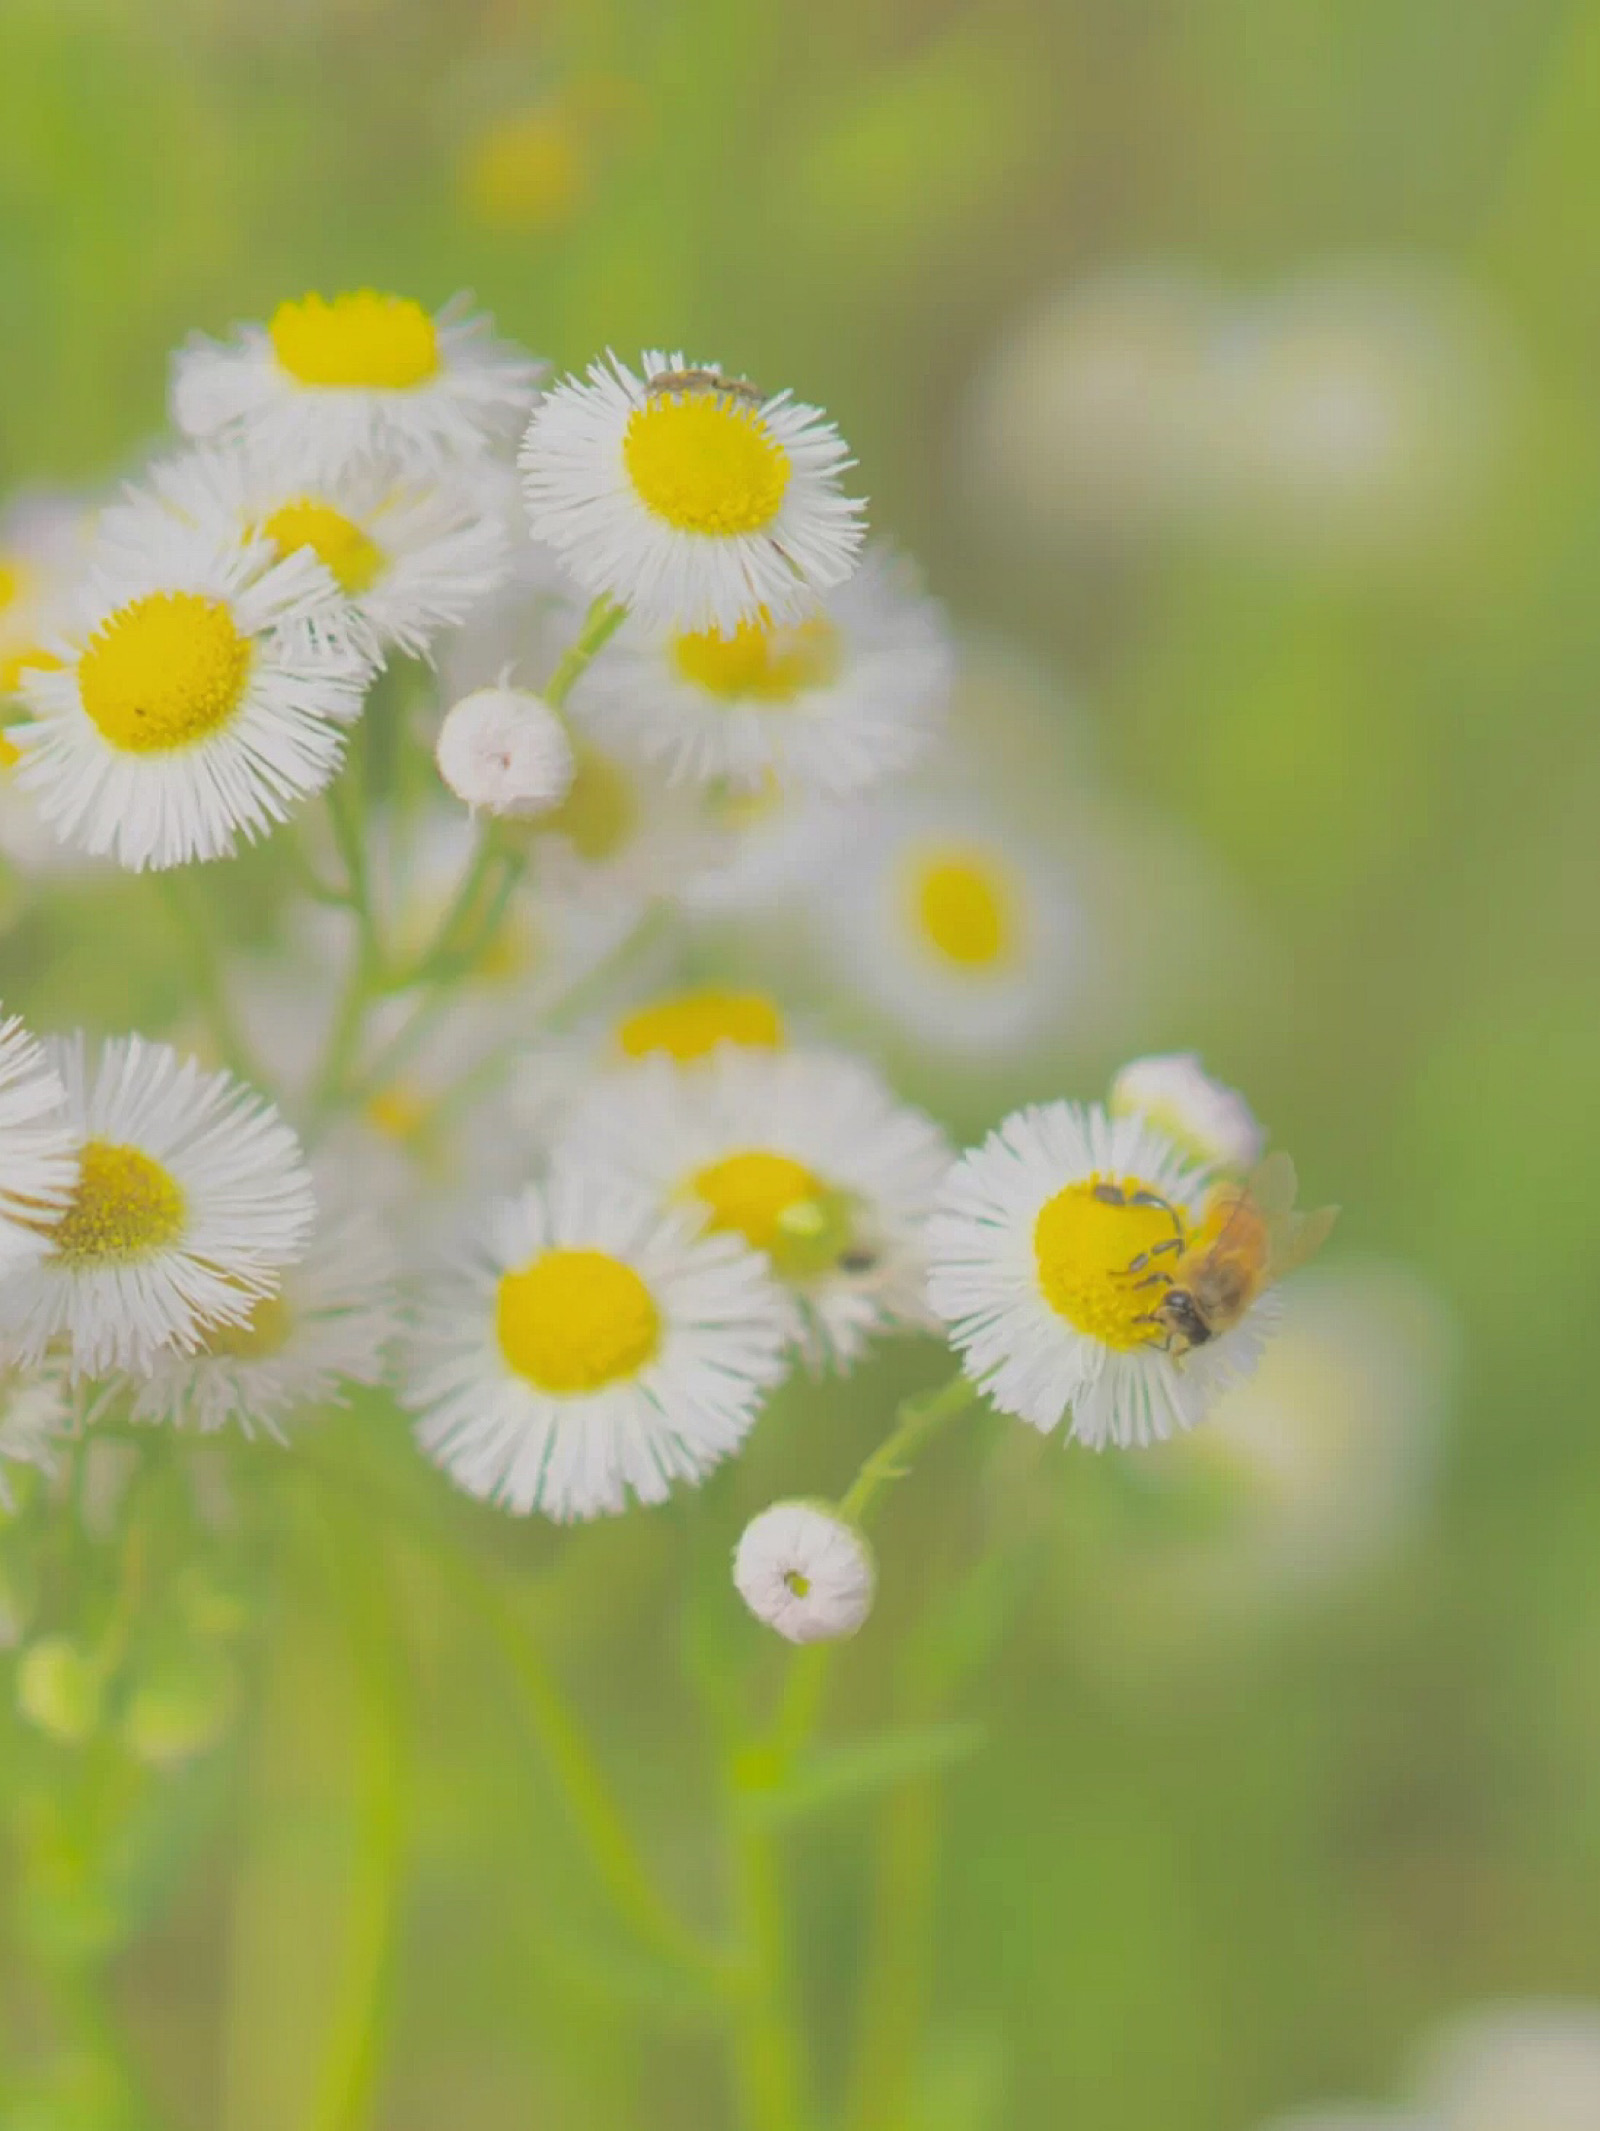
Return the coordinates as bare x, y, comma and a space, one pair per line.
805, 1571
504, 751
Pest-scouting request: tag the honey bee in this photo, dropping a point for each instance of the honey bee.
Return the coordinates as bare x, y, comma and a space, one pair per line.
739, 388
1250, 1238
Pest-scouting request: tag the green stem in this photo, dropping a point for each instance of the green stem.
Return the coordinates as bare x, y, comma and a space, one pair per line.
352, 2054
604, 618
767, 2056
192, 916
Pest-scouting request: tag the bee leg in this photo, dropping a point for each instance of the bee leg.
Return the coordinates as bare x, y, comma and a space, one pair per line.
1156, 1278
1110, 1194
1154, 1198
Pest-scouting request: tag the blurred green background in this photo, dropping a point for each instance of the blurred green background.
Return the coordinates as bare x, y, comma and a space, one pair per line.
1239, 365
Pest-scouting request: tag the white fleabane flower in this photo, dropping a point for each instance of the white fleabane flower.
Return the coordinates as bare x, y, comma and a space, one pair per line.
200, 695
1534, 2066
36, 1415
693, 498
360, 375
191, 1197
43, 539
949, 926
1033, 1252
623, 835
589, 1346
504, 751
806, 1572
329, 1325
411, 552
1210, 1121
38, 1150
806, 1155
833, 701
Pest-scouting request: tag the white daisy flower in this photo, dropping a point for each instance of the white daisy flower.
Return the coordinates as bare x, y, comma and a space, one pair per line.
412, 553
43, 540
624, 834
330, 1324
684, 1027
692, 498
1210, 1121
781, 847
806, 1572
847, 694
201, 695
504, 751
1033, 1252
36, 1415
360, 376
592, 1346
805, 1154
191, 1197
38, 1148
950, 927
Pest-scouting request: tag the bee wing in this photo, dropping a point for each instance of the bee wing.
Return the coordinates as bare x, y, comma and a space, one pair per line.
1274, 1187
1298, 1239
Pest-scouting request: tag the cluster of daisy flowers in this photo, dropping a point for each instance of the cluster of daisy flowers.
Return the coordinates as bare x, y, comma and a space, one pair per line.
671, 653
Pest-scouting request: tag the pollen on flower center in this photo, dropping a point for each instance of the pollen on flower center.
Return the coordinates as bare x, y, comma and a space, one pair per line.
1084, 1245
760, 661
359, 339
263, 1333
124, 1207
692, 1024
778, 1206
576, 1320
355, 559
599, 813
706, 463
163, 671
964, 910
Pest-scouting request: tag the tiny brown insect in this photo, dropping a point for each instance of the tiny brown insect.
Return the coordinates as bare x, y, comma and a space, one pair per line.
738, 388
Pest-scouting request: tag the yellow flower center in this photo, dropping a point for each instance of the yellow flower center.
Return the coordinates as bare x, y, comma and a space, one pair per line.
10, 753
164, 671
362, 338
15, 577
599, 813
705, 462
400, 1113
760, 660
1085, 1244
124, 1207
355, 559
779, 1207
965, 909
692, 1024
575, 1321
264, 1332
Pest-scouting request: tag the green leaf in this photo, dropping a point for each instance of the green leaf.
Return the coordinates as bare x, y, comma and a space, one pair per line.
830, 1776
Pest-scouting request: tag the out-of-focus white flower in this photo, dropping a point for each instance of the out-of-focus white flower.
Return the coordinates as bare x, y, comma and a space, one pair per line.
1533, 2066
330, 1324
201, 692
360, 376
624, 834
806, 1572
505, 751
1033, 1251
412, 553
1210, 1121
950, 927
806, 1155
38, 1147
44, 539
694, 499
191, 1197
36, 1413
586, 1345
847, 695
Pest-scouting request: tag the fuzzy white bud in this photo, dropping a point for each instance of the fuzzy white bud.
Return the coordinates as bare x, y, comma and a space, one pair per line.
504, 751
1210, 1121
806, 1572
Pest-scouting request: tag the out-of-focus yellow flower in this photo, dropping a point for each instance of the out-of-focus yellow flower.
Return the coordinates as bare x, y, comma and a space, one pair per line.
529, 173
